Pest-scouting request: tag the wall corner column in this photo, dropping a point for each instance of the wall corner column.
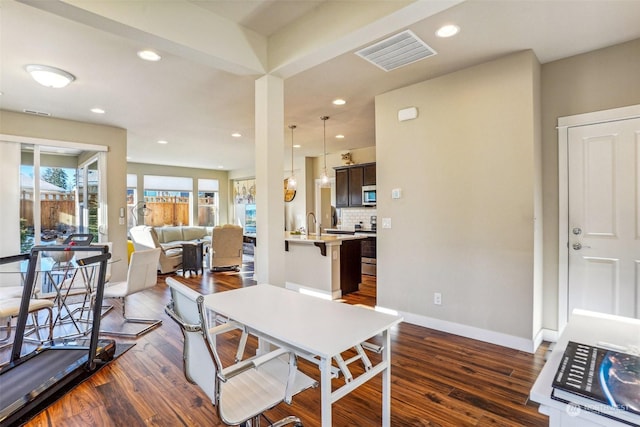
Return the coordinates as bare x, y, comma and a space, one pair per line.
269, 166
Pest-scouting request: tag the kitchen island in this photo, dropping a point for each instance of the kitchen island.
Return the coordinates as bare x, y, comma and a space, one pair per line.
327, 265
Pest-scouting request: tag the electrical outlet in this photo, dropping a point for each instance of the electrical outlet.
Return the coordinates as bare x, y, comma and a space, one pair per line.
437, 298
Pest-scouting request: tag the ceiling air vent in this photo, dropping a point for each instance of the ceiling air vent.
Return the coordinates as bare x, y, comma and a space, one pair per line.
37, 113
396, 51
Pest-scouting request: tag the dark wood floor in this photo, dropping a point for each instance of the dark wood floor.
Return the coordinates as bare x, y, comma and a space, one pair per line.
438, 379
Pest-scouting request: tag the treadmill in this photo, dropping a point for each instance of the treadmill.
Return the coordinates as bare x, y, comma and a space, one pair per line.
30, 383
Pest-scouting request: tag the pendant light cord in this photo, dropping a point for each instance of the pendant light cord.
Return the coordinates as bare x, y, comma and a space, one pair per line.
324, 143
292, 127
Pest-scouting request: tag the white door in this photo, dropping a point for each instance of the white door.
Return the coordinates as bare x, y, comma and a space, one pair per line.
604, 217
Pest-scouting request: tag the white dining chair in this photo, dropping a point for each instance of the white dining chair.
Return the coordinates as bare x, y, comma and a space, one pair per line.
241, 391
142, 275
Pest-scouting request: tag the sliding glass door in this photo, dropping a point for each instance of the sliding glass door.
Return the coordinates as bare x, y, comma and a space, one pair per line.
50, 189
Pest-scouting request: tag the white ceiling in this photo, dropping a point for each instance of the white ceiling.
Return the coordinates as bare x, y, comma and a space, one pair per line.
196, 106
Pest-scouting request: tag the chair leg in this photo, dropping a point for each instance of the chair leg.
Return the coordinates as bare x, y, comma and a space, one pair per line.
153, 323
5, 341
8, 328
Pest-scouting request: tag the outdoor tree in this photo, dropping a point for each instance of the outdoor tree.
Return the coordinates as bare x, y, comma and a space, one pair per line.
56, 176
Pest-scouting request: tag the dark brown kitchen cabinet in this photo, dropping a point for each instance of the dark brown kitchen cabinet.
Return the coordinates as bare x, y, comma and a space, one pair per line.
349, 182
355, 186
342, 188
369, 174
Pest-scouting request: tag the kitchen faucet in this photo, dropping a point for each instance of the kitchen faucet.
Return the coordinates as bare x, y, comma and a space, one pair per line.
315, 222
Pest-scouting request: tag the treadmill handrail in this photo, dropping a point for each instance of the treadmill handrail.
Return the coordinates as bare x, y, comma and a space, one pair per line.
102, 258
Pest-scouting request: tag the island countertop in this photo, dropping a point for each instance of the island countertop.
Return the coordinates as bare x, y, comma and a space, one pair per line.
326, 264
328, 239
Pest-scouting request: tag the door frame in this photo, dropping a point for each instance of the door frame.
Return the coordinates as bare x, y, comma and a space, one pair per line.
564, 125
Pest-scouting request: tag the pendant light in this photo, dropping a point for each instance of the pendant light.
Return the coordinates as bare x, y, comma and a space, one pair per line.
291, 182
324, 178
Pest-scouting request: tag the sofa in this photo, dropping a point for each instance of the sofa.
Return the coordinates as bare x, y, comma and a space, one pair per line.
169, 236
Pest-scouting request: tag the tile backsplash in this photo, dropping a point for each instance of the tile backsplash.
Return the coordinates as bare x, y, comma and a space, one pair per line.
349, 217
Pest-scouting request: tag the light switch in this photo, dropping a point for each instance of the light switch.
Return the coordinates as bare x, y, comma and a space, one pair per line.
386, 222
396, 193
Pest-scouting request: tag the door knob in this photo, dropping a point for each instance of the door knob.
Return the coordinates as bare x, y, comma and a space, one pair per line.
577, 246
577, 231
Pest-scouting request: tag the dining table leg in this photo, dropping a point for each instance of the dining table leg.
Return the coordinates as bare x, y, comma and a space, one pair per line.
325, 391
386, 379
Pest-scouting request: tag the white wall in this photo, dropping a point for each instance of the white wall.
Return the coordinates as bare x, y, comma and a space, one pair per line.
465, 226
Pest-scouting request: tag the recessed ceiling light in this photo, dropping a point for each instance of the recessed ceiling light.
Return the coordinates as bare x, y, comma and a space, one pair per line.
98, 110
340, 136
448, 30
50, 76
149, 55
162, 141
339, 101
236, 135
297, 146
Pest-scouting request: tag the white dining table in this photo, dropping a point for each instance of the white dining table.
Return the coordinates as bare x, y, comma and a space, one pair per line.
313, 327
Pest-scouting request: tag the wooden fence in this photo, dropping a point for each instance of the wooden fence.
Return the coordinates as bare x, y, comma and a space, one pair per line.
52, 212
167, 213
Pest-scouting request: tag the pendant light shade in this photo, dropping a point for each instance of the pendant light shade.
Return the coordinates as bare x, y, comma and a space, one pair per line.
292, 184
324, 178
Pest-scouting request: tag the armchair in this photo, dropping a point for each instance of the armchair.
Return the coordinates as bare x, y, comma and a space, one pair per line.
243, 391
226, 247
145, 237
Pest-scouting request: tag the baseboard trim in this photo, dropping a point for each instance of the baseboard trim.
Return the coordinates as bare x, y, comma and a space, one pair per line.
492, 337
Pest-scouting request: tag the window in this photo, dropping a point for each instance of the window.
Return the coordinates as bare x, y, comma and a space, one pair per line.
167, 201
244, 195
55, 193
132, 200
208, 202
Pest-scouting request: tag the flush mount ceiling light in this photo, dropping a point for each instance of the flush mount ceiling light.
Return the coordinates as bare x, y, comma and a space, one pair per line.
340, 136
98, 110
448, 31
149, 55
162, 141
236, 135
49, 76
339, 102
